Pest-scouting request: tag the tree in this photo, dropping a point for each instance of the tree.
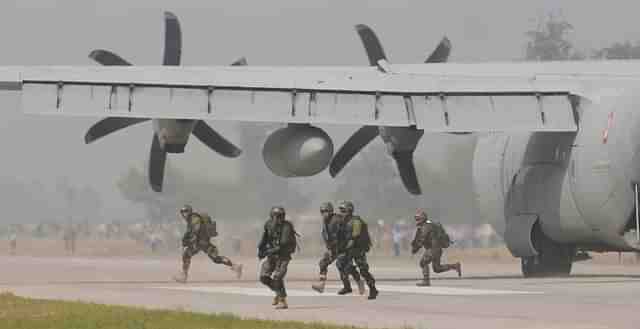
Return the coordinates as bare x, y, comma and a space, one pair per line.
619, 50
549, 42
134, 187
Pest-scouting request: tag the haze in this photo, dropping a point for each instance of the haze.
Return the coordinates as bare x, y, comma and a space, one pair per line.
48, 32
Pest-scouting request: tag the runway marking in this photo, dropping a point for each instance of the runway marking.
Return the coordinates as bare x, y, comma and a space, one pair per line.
331, 292
451, 291
247, 291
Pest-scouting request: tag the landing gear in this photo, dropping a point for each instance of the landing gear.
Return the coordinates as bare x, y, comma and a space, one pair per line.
553, 259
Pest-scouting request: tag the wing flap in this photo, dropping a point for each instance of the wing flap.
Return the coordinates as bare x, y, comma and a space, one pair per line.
359, 96
494, 113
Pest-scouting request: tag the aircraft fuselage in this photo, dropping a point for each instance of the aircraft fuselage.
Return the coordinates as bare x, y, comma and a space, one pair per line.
580, 185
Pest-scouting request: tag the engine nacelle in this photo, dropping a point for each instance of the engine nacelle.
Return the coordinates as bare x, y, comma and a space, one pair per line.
298, 150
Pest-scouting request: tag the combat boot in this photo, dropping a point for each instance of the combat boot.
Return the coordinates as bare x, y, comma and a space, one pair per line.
237, 268
361, 288
181, 277
346, 287
424, 283
458, 268
373, 292
282, 305
319, 286
346, 290
276, 300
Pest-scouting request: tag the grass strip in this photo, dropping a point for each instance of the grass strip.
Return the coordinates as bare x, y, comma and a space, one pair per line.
26, 313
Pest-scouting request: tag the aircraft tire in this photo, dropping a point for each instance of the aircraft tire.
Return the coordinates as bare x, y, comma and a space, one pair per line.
553, 259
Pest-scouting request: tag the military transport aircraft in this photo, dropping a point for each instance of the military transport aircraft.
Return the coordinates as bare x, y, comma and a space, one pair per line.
555, 170
170, 135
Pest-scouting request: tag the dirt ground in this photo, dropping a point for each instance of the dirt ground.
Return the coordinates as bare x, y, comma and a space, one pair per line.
130, 248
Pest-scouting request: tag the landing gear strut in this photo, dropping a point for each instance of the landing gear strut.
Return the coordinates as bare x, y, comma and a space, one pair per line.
553, 259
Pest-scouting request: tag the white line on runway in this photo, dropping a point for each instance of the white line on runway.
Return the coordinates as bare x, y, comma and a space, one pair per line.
446, 291
246, 291
450, 291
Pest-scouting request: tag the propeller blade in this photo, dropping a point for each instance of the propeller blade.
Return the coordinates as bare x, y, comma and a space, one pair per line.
172, 40
404, 161
242, 61
108, 58
441, 53
371, 44
215, 141
351, 147
157, 159
109, 125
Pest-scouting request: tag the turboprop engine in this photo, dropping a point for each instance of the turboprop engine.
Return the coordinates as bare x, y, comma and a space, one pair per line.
298, 150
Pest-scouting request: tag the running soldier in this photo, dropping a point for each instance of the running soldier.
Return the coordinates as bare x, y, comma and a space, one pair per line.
330, 227
433, 238
277, 244
353, 244
200, 230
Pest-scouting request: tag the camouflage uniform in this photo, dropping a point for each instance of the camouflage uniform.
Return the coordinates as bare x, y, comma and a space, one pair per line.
330, 228
275, 246
424, 238
350, 250
197, 239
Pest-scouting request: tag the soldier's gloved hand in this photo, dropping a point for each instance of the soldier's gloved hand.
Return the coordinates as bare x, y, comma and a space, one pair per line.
350, 245
261, 254
272, 251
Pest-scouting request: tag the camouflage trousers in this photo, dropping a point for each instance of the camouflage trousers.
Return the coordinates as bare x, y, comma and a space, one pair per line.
433, 256
326, 260
346, 267
272, 273
208, 248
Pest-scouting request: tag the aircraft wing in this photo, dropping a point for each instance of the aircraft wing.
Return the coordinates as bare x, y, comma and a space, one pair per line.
436, 98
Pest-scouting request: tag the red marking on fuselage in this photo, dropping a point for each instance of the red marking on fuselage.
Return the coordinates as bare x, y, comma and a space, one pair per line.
605, 134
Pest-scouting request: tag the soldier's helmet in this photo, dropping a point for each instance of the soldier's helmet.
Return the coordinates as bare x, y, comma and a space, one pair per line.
346, 207
277, 212
420, 216
326, 207
186, 209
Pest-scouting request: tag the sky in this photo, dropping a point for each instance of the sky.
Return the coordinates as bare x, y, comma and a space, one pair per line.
277, 32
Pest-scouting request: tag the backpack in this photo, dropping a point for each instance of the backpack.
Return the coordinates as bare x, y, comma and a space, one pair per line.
293, 238
440, 235
207, 226
364, 239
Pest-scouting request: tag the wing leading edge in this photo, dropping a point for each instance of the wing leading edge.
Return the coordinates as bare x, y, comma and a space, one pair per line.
360, 96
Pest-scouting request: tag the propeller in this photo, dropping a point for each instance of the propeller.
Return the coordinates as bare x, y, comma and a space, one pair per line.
158, 155
401, 142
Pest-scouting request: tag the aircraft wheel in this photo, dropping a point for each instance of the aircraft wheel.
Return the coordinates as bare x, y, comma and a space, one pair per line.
553, 259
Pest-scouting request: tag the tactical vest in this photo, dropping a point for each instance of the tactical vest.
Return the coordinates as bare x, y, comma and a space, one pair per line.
275, 238
330, 230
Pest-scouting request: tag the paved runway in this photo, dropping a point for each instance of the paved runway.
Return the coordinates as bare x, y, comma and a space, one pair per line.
488, 296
